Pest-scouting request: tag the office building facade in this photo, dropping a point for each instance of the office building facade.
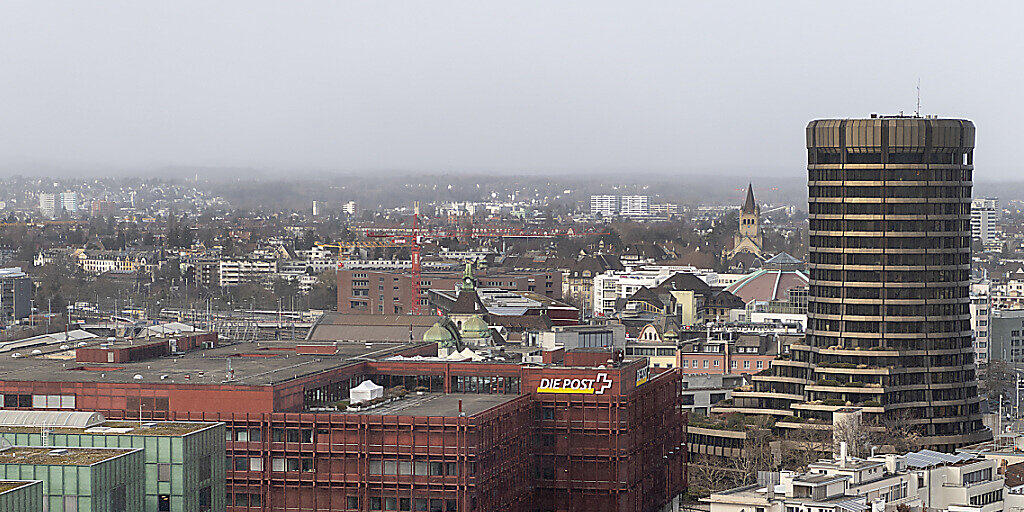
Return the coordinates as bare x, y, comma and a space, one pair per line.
889, 257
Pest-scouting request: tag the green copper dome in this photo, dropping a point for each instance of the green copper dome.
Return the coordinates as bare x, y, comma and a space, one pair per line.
439, 334
475, 327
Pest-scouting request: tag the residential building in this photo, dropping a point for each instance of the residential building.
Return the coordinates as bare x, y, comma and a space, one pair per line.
48, 205
609, 336
604, 206
349, 208
732, 353
1006, 335
15, 295
318, 208
68, 201
985, 221
612, 285
389, 292
981, 312
634, 206
101, 262
233, 272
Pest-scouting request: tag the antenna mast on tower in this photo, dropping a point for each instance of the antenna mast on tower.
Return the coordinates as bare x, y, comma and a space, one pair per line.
917, 111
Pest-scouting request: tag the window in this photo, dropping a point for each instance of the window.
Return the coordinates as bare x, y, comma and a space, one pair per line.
706, 363
71, 504
163, 503
352, 502
746, 365
760, 364
204, 468
118, 499
205, 500
240, 464
163, 472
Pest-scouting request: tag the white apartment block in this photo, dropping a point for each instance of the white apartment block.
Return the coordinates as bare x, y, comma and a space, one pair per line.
635, 206
48, 205
981, 311
69, 202
613, 285
605, 206
235, 272
985, 220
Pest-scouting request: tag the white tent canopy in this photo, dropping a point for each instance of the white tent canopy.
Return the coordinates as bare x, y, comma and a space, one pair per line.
365, 391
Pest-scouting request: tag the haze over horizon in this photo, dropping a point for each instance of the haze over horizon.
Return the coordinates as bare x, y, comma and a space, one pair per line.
568, 87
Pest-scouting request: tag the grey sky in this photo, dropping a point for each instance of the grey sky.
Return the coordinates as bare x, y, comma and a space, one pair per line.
478, 85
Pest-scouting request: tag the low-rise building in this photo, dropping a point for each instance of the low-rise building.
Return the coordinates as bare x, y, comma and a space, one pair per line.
184, 461
95, 479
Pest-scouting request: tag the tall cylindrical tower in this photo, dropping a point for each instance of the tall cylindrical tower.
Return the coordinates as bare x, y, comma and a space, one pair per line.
890, 256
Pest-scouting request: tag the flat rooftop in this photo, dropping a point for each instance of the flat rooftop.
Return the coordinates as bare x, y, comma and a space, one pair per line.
119, 428
52, 456
253, 363
10, 485
439, 404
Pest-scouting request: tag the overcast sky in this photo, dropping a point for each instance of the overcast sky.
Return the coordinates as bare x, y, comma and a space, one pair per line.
685, 87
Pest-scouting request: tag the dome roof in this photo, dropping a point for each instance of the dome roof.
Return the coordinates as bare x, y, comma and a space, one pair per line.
475, 327
439, 334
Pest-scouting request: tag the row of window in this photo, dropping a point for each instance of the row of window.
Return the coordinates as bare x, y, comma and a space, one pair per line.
718, 363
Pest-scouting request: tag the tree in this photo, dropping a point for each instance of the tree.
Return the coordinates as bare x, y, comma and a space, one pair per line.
707, 474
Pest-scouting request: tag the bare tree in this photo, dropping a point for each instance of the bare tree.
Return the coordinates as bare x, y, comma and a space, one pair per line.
708, 474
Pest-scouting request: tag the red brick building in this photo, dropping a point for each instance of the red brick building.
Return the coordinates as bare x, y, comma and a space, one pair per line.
476, 436
389, 292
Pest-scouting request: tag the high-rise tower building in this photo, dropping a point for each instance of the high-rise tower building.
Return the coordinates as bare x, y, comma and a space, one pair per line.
888, 321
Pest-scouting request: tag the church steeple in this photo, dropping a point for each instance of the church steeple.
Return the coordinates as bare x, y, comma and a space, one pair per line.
750, 206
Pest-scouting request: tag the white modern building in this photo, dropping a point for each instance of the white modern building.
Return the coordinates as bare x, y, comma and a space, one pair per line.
69, 202
635, 206
924, 480
604, 205
235, 272
981, 311
612, 284
985, 221
48, 205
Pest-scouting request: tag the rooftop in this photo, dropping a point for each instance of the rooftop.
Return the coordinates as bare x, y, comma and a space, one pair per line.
50, 456
440, 404
10, 485
256, 364
134, 428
